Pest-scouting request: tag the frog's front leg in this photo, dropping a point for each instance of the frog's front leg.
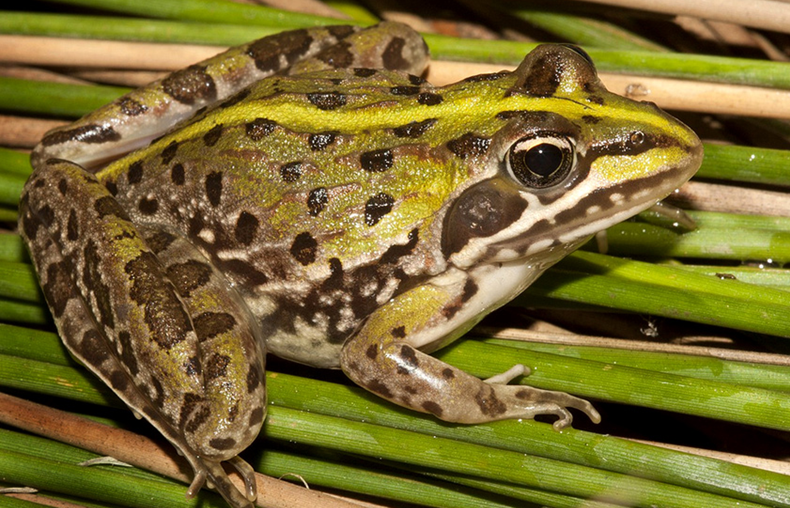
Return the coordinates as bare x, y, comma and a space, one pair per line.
382, 358
142, 309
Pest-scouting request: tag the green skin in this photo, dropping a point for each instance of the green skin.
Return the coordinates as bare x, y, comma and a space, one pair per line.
332, 215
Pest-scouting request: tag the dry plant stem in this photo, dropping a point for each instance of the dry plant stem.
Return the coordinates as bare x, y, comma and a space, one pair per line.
132, 79
45, 501
50, 51
23, 72
776, 466
572, 339
766, 14
143, 452
700, 96
23, 132
713, 197
304, 6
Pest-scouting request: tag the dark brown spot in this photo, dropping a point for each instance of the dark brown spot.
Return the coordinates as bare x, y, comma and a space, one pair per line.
304, 248
448, 373
177, 174
47, 215
291, 172
188, 276
409, 356
433, 408
72, 227
414, 130
216, 367
253, 380
525, 394
245, 270
377, 207
327, 101
396, 252
148, 206
163, 312
377, 161
190, 85
63, 186
590, 119
398, 332
230, 101
214, 188
364, 72
212, 136
372, 352
107, 205
469, 145
487, 77
380, 388
341, 31
225, 443
57, 288
246, 228
159, 241
135, 173
260, 128
92, 349
317, 200
199, 418
131, 107
83, 134
488, 402
127, 353
470, 290
256, 417
429, 99
392, 56
169, 152
210, 324
266, 52
92, 277
338, 56
320, 141
119, 381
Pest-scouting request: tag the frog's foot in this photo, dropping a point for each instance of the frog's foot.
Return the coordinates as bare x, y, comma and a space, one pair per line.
214, 474
544, 401
383, 357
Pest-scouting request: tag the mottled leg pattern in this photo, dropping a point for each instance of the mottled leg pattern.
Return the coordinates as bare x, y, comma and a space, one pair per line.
382, 359
231, 357
152, 331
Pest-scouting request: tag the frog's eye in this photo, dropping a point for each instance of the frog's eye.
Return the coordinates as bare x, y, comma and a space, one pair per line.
540, 162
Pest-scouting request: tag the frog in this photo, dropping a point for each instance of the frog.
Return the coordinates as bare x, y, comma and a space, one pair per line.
309, 195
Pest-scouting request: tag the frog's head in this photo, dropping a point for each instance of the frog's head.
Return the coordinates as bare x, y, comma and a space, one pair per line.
567, 160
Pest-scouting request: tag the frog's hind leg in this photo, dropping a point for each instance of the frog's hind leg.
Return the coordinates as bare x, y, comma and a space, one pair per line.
120, 314
383, 358
232, 359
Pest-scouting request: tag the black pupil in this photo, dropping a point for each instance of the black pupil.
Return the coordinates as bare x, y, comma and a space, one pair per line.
543, 159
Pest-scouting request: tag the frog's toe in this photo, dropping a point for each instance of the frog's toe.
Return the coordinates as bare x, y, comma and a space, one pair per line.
247, 473
213, 474
535, 401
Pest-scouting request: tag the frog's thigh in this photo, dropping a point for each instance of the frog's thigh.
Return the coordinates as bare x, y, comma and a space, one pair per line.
382, 359
119, 313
